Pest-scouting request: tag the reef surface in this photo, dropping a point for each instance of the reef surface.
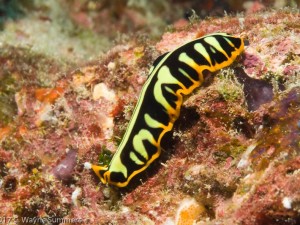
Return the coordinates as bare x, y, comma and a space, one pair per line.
234, 154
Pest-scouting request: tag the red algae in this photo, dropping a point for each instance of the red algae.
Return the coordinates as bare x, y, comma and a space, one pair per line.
265, 204
254, 65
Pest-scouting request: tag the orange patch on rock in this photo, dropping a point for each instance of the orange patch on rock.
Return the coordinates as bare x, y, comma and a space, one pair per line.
48, 95
4, 132
189, 211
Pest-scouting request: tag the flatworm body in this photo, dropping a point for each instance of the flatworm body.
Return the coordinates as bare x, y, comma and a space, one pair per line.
172, 76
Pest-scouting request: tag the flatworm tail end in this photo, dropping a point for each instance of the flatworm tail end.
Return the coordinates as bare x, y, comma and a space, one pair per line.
100, 171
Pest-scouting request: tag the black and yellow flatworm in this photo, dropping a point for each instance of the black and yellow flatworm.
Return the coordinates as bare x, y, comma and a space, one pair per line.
172, 75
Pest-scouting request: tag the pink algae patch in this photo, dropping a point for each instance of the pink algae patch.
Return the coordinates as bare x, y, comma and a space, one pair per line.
171, 41
286, 45
291, 69
253, 64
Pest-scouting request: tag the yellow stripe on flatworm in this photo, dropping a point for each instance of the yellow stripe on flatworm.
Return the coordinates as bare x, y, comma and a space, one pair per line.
200, 48
164, 76
138, 142
135, 159
152, 122
214, 42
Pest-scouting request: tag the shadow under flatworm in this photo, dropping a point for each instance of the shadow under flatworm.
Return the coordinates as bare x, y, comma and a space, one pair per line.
257, 92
